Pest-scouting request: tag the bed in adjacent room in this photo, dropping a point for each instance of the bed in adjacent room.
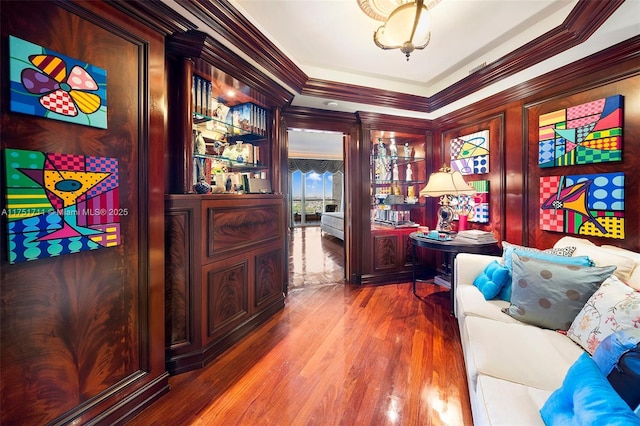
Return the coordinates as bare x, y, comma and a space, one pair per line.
333, 223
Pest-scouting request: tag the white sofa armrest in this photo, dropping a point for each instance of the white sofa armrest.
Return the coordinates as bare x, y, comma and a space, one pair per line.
468, 266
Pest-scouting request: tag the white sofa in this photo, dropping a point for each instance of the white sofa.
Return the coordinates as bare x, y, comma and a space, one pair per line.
512, 367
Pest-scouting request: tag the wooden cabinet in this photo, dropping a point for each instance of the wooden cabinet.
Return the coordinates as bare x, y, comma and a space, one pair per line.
397, 169
225, 266
397, 173
225, 252
391, 250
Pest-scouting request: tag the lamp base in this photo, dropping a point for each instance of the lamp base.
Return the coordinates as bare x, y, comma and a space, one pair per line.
445, 216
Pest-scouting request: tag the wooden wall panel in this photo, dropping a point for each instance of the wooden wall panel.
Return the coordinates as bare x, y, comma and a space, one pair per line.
268, 277
179, 243
630, 89
613, 71
495, 125
227, 297
385, 252
82, 334
233, 229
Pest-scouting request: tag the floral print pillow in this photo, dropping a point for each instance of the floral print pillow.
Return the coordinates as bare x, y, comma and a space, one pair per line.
614, 306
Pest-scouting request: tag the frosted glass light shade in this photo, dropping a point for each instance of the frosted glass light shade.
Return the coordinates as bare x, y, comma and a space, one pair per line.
407, 28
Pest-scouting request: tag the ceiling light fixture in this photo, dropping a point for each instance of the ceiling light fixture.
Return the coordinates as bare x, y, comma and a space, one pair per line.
407, 27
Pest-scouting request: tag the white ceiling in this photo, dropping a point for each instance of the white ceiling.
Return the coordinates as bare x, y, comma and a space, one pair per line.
333, 40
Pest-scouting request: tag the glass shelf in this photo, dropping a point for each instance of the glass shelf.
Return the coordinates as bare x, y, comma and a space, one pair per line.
399, 159
232, 164
233, 133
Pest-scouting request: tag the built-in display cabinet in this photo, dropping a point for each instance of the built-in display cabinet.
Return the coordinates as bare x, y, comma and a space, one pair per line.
225, 248
397, 173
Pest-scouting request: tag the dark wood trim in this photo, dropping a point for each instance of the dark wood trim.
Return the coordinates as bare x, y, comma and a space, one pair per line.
155, 14
225, 20
366, 95
586, 17
319, 119
384, 121
199, 45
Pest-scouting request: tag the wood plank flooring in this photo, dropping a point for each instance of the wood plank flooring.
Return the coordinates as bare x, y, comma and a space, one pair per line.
336, 355
315, 258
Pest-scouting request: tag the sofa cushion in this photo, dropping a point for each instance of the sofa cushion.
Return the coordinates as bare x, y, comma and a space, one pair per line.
492, 279
614, 306
470, 302
586, 398
634, 276
627, 261
516, 352
550, 295
605, 257
506, 403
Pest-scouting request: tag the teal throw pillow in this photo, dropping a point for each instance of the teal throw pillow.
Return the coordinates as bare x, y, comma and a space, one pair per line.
550, 295
549, 256
587, 398
492, 280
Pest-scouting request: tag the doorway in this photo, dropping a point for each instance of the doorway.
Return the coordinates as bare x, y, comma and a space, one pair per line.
315, 189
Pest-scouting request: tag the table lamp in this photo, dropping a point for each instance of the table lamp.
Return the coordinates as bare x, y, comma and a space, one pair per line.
444, 183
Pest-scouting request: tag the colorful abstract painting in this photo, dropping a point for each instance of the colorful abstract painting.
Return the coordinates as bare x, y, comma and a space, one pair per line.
476, 206
583, 204
583, 134
60, 203
470, 153
48, 84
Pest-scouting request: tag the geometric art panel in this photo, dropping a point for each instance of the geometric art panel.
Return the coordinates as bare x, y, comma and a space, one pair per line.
60, 203
591, 205
583, 134
48, 84
470, 153
475, 206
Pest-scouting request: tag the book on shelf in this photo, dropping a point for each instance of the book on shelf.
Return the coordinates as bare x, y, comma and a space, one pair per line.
442, 280
476, 236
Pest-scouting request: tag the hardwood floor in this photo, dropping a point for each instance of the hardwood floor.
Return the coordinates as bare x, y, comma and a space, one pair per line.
336, 355
314, 258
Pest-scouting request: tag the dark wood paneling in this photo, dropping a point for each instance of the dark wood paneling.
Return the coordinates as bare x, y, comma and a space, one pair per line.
268, 277
629, 166
235, 283
385, 252
83, 334
179, 243
227, 297
496, 177
233, 229
612, 71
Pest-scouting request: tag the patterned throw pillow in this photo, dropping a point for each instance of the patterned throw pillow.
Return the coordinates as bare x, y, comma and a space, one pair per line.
550, 295
559, 255
558, 251
614, 306
508, 249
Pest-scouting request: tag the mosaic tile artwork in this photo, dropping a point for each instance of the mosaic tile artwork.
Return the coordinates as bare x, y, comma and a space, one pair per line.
470, 153
51, 85
583, 134
60, 203
591, 205
476, 206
